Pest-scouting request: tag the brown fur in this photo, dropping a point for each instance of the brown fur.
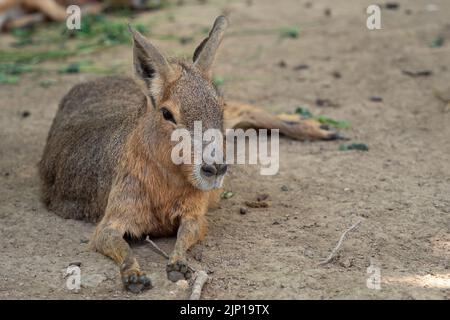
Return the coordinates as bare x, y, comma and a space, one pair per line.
107, 157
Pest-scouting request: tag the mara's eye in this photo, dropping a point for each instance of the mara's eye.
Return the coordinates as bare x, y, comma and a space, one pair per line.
168, 115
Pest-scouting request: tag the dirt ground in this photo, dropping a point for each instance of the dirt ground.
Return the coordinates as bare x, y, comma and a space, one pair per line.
399, 189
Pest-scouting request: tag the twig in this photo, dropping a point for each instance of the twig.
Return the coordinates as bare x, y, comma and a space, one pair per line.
336, 248
162, 252
197, 287
200, 279
158, 249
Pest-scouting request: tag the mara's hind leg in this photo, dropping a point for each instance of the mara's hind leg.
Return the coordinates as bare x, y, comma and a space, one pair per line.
241, 115
108, 240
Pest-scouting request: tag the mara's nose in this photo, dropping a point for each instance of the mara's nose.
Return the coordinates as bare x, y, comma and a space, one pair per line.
213, 170
221, 169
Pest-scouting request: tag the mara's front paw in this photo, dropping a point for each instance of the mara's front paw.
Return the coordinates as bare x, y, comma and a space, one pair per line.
136, 281
178, 270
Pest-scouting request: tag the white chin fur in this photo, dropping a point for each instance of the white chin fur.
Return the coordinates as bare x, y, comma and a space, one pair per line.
204, 183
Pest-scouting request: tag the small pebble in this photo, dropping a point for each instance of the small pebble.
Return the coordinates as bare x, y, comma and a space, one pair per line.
324, 103
198, 256
391, 5
262, 197
376, 99
182, 284
282, 64
301, 67
284, 188
420, 73
347, 263
337, 74
25, 114
243, 210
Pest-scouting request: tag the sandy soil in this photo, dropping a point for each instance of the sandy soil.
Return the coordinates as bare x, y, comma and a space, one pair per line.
399, 189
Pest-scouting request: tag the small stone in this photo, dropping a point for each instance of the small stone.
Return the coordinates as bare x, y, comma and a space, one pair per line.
308, 252
376, 99
325, 103
420, 73
198, 256
262, 197
347, 263
25, 114
282, 64
275, 223
242, 210
336, 74
301, 67
182, 284
391, 5
284, 188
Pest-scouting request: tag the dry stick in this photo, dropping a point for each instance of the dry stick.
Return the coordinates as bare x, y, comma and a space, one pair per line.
158, 249
161, 251
197, 287
331, 256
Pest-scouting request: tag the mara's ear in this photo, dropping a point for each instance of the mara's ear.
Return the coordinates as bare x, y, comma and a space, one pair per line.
206, 52
150, 65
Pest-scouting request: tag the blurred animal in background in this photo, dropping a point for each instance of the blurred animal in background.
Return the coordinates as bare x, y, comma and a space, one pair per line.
23, 13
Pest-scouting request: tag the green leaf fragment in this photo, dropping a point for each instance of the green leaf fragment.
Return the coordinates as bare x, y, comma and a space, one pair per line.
226, 195
8, 79
438, 42
304, 112
290, 32
354, 146
218, 81
334, 123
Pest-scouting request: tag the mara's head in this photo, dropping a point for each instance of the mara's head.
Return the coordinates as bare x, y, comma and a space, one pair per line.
180, 97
